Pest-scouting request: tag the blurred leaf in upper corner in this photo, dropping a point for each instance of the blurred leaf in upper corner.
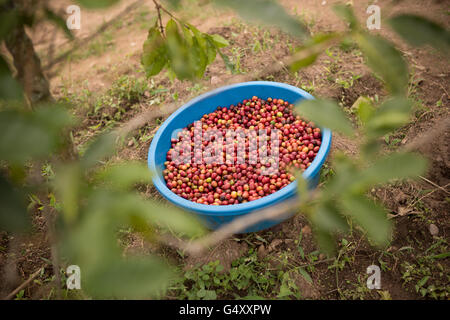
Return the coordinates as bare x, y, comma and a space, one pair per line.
346, 13
125, 175
154, 56
13, 211
419, 31
25, 134
97, 4
370, 216
386, 61
10, 89
267, 12
325, 113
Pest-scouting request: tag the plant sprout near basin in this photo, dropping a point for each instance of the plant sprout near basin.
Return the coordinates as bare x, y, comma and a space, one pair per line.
216, 216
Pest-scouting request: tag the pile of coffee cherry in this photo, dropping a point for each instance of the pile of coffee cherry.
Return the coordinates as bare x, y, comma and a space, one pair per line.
228, 182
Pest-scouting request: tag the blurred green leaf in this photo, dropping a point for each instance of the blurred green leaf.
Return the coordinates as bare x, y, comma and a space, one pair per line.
180, 55
230, 66
166, 217
125, 175
303, 63
346, 13
219, 41
154, 56
13, 211
100, 148
131, 278
9, 19
370, 216
327, 218
391, 115
97, 4
26, 135
266, 12
419, 31
10, 89
392, 166
67, 185
325, 113
311, 50
364, 108
326, 242
386, 61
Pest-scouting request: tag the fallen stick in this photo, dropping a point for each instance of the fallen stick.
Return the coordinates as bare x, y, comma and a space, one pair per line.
23, 285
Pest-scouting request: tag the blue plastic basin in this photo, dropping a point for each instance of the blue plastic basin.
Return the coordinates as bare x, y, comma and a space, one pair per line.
216, 216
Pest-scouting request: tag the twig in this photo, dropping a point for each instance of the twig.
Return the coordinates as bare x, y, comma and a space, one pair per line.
23, 285
434, 184
280, 211
158, 9
428, 194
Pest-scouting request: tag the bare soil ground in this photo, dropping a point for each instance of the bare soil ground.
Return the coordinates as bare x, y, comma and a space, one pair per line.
94, 75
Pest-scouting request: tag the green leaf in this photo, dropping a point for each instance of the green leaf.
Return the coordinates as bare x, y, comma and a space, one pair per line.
154, 56
364, 108
326, 242
132, 278
391, 115
392, 166
266, 12
198, 58
100, 148
9, 19
128, 206
305, 275
26, 135
419, 31
67, 185
370, 216
97, 4
230, 66
327, 218
180, 55
13, 211
346, 13
386, 61
125, 175
10, 89
325, 113
219, 41
303, 63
